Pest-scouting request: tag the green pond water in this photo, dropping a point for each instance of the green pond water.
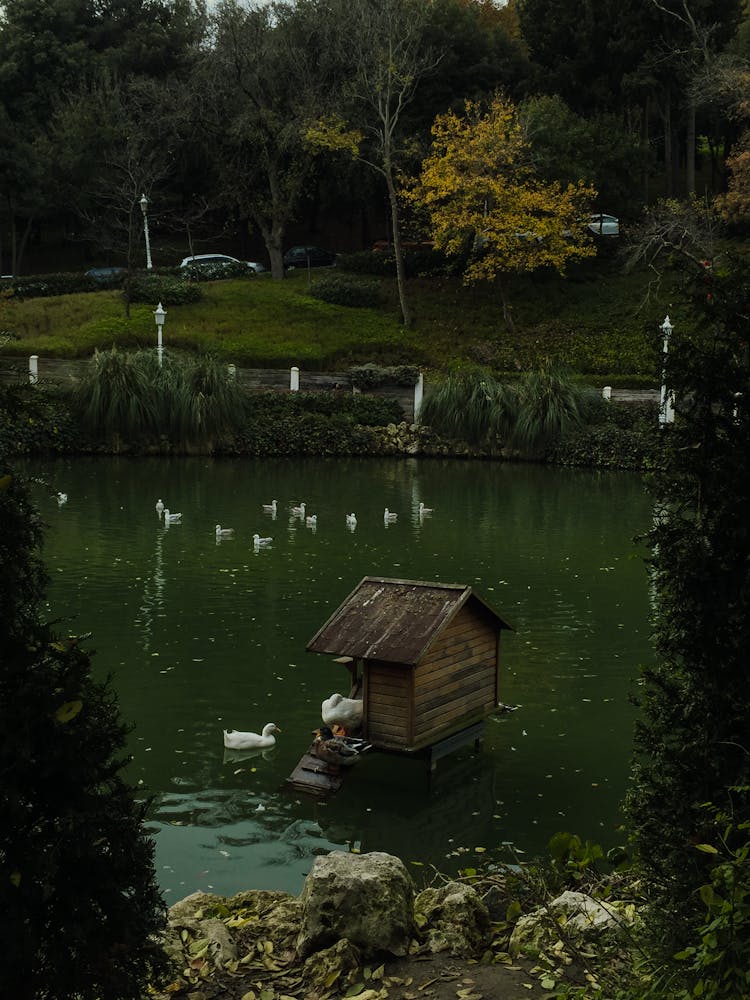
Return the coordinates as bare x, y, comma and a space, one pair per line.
200, 636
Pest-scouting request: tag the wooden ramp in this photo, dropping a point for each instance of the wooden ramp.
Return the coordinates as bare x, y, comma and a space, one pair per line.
315, 776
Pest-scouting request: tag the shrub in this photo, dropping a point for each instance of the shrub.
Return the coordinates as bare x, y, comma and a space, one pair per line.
216, 271
44, 285
80, 909
340, 290
370, 376
169, 290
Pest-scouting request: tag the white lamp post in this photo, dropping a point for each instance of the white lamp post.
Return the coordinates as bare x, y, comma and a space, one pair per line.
159, 314
666, 402
144, 208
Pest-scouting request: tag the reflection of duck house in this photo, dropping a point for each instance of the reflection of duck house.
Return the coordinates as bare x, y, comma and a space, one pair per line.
429, 655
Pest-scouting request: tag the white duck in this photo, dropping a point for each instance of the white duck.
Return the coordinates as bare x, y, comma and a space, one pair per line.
169, 517
424, 510
224, 532
351, 520
311, 520
299, 511
270, 508
340, 711
260, 543
388, 515
160, 506
235, 740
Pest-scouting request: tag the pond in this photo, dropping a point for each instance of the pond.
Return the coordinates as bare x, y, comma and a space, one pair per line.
200, 635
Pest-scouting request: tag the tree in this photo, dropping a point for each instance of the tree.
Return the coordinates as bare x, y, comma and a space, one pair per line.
262, 69
483, 197
691, 738
382, 41
80, 910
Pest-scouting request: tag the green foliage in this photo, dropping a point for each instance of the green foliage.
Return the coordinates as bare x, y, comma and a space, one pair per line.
550, 402
529, 413
130, 398
719, 961
340, 290
79, 904
169, 290
36, 420
369, 376
217, 271
471, 405
691, 737
45, 285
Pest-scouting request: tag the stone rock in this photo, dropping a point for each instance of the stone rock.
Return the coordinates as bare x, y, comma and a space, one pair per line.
457, 921
365, 898
574, 916
331, 965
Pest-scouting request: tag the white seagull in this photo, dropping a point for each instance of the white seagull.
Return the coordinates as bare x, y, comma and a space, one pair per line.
61, 499
311, 520
424, 510
299, 510
270, 508
388, 515
223, 532
160, 506
260, 543
170, 518
351, 520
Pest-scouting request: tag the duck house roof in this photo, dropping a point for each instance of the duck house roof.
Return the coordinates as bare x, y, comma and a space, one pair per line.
395, 620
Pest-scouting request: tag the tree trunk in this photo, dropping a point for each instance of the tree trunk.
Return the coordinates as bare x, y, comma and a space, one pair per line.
668, 186
506, 308
690, 149
397, 249
273, 237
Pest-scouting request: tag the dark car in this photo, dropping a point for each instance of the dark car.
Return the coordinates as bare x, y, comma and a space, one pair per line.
309, 257
108, 277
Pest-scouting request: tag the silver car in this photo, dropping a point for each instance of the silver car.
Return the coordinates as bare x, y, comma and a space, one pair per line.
206, 259
604, 225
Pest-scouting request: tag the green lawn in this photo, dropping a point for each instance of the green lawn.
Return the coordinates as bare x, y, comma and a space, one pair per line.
595, 320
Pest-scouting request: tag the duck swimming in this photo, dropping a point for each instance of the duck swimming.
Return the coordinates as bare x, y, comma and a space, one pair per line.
300, 511
170, 518
223, 532
260, 543
235, 740
270, 508
344, 712
424, 510
388, 515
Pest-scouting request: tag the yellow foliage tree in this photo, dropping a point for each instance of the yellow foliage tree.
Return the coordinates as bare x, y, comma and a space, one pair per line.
479, 190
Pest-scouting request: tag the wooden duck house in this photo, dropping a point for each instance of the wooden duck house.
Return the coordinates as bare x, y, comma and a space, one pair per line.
424, 658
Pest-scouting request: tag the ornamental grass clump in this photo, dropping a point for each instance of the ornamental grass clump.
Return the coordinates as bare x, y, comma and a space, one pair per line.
116, 398
472, 406
550, 404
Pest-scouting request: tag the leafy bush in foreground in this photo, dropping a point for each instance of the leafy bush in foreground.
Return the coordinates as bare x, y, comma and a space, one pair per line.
80, 910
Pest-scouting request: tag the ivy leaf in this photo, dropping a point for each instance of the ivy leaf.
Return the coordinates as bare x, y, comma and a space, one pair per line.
68, 711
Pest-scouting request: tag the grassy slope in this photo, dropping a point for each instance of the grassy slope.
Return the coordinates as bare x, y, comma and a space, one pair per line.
594, 320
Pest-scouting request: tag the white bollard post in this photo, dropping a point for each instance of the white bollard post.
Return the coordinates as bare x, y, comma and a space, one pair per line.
294, 379
34, 369
418, 394
607, 393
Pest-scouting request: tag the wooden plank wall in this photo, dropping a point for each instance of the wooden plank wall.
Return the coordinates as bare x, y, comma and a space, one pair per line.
17, 369
387, 703
457, 678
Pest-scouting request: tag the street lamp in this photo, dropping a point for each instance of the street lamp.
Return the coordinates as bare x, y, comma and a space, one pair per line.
144, 208
159, 314
666, 402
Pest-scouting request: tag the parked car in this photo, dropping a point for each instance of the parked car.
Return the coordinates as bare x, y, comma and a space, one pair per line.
107, 276
604, 225
309, 257
206, 260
